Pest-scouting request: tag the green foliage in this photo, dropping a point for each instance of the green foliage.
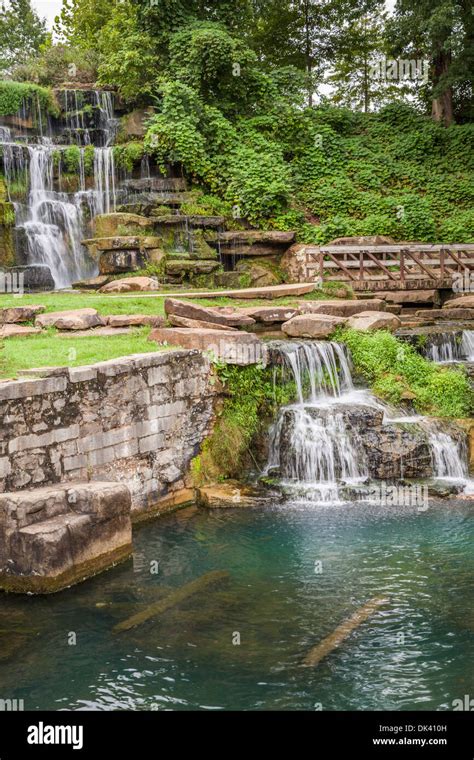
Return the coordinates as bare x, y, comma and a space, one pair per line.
88, 154
22, 34
128, 55
14, 94
396, 371
128, 155
57, 64
251, 397
71, 158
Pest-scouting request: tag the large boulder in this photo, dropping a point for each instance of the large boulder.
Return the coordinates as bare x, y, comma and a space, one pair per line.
13, 314
118, 262
409, 296
226, 316
461, 302
110, 225
62, 534
33, 276
270, 314
196, 323
94, 283
373, 320
134, 320
231, 347
294, 263
318, 326
79, 319
131, 284
341, 308
256, 273
17, 331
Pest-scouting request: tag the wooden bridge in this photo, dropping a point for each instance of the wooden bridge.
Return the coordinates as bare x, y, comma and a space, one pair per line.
414, 266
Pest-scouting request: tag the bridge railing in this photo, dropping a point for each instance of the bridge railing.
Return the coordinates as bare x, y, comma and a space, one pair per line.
397, 263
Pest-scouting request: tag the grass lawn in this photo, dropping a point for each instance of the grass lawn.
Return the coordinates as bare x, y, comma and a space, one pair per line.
54, 349
137, 304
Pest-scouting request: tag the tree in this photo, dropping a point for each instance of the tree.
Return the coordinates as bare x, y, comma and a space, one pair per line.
22, 33
358, 77
305, 33
443, 32
81, 21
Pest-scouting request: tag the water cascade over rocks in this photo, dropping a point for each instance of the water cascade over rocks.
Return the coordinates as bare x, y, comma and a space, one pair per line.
335, 437
452, 347
50, 221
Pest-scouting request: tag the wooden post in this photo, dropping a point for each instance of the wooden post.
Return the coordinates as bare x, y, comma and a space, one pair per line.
402, 265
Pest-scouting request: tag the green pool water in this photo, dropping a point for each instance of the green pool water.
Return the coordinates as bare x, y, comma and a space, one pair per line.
295, 574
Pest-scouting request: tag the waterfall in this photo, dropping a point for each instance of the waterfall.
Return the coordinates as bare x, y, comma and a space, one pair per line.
311, 444
448, 456
451, 348
104, 198
315, 446
53, 224
318, 368
109, 125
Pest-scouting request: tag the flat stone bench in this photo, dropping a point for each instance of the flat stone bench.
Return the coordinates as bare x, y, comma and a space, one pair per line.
56, 536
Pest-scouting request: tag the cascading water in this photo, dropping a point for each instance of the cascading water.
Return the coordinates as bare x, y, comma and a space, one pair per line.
310, 444
314, 448
452, 348
54, 222
449, 457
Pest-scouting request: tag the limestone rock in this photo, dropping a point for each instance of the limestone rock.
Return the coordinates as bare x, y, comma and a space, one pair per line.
20, 314
94, 283
269, 314
118, 262
17, 331
226, 316
374, 320
444, 313
341, 308
312, 326
232, 347
461, 302
109, 225
34, 276
190, 266
193, 323
79, 319
53, 537
294, 264
409, 296
130, 284
133, 320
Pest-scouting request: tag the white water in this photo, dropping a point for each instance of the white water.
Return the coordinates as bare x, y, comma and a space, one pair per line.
321, 452
451, 349
313, 447
449, 457
54, 222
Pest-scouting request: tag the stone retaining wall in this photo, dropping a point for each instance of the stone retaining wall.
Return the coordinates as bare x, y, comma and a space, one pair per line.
139, 420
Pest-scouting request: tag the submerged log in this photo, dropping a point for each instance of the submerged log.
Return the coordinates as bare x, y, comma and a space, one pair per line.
174, 598
331, 642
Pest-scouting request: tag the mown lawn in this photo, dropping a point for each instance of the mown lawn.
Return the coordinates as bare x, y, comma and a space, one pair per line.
55, 349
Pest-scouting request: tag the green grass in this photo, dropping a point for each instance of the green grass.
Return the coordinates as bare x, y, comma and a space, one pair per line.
395, 371
54, 349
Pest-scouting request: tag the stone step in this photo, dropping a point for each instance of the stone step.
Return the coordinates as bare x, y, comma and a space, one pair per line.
409, 296
55, 536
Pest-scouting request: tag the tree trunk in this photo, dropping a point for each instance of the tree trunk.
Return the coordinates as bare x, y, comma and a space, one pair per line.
442, 105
